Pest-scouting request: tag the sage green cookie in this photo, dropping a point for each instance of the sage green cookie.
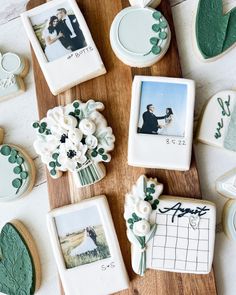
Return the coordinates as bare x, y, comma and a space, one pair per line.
17, 173
19, 262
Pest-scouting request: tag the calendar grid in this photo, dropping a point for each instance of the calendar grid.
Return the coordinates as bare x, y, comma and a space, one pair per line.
178, 246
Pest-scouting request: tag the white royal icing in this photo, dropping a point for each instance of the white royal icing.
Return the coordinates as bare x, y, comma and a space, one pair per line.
226, 184
218, 121
229, 219
144, 3
140, 36
75, 138
176, 235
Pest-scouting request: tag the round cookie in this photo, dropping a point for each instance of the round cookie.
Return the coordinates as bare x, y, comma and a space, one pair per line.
140, 37
17, 172
18, 276
229, 219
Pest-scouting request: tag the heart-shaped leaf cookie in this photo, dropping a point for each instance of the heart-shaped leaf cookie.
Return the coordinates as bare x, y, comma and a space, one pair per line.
17, 271
215, 31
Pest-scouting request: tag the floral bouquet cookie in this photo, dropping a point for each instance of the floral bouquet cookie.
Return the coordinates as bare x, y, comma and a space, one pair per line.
75, 138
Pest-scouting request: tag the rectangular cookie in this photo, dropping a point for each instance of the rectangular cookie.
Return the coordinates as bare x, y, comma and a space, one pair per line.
63, 44
86, 248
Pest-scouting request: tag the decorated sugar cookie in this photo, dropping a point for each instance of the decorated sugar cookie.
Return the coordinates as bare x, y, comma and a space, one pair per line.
215, 30
17, 172
218, 122
75, 138
19, 264
229, 219
169, 233
226, 184
13, 68
86, 248
140, 35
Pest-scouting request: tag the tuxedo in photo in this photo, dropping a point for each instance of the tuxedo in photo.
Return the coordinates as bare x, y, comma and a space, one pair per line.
73, 36
150, 123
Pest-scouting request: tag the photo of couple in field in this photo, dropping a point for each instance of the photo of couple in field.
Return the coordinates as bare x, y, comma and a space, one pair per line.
58, 32
82, 237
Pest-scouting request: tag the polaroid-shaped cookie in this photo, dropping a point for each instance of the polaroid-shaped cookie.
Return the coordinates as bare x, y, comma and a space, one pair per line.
75, 138
161, 123
63, 44
20, 270
140, 35
169, 233
13, 68
217, 127
215, 30
86, 248
17, 172
229, 219
226, 184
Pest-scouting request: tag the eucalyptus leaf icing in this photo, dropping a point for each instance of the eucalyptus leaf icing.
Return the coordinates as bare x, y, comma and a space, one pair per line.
75, 138
14, 171
215, 31
17, 271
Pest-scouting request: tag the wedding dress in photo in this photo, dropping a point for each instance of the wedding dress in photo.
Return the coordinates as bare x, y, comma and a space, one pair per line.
87, 245
54, 50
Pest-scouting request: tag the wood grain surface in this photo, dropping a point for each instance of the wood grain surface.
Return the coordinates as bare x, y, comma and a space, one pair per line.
114, 90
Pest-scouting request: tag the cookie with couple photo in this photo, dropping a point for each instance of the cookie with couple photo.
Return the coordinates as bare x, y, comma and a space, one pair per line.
62, 35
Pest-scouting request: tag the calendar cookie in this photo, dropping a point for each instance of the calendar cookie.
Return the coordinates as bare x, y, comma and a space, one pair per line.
62, 44
161, 123
228, 219
17, 172
13, 68
20, 270
140, 35
169, 233
86, 248
215, 30
75, 138
218, 123
226, 184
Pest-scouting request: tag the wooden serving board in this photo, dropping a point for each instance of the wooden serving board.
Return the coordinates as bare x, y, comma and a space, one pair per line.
114, 90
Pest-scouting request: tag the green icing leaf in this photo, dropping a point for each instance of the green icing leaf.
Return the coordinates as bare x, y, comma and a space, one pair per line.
163, 35
104, 157
19, 160
53, 172
101, 151
157, 15
14, 152
156, 49
35, 125
12, 160
17, 272
17, 183
154, 40
52, 164
156, 28
76, 105
55, 156
215, 31
163, 24
94, 154
17, 170
5, 150
24, 175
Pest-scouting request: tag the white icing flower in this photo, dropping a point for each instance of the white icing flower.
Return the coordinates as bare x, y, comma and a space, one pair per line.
91, 141
143, 209
59, 120
141, 228
87, 127
75, 135
45, 147
70, 155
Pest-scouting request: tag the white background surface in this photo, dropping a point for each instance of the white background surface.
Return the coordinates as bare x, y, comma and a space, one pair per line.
17, 114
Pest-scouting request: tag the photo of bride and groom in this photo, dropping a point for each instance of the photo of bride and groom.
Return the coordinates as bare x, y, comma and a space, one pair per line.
162, 109
82, 237
58, 32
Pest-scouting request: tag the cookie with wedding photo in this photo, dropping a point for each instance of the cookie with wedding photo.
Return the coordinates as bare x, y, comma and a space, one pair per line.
58, 31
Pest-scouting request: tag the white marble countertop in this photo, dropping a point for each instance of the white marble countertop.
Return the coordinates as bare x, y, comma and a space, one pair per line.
212, 162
